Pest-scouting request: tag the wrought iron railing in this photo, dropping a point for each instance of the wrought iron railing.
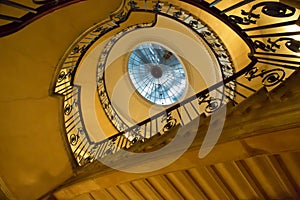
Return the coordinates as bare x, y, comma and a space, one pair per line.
267, 27
213, 42
13, 22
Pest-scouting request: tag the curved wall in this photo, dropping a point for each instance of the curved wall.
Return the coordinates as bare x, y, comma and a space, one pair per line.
201, 66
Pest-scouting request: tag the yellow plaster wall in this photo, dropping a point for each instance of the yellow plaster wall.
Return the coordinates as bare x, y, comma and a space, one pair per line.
140, 109
34, 158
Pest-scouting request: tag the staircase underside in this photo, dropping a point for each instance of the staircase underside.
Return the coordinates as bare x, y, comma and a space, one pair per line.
257, 157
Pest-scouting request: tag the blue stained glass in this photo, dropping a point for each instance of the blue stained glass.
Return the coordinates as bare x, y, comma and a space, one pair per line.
157, 74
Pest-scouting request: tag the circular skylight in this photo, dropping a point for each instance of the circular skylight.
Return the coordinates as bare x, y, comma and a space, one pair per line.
157, 74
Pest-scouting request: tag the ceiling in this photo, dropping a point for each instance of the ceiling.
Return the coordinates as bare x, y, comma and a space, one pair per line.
261, 161
262, 177
35, 159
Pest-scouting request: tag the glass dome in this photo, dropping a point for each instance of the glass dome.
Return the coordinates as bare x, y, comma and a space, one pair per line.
157, 74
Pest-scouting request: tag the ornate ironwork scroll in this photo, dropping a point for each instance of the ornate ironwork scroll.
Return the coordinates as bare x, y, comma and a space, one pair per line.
86, 150
273, 9
290, 43
186, 18
213, 104
169, 122
269, 77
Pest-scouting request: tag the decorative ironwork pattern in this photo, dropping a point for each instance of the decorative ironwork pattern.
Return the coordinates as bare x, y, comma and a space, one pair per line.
274, 54
273, 9
103, 96
290, 43
192, 22
269, 77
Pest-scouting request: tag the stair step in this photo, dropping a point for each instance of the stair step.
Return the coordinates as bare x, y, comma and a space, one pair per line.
154, 141
254, 102
283, 91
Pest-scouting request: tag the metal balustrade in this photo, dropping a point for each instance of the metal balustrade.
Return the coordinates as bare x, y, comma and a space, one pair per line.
13, 22
267, 27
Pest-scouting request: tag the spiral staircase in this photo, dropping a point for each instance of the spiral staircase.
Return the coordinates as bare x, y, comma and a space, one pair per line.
52, 150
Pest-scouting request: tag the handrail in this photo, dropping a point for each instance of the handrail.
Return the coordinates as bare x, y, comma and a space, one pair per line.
224, 18
215, 45
44, 7
190, 99
274, 55
103, 95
